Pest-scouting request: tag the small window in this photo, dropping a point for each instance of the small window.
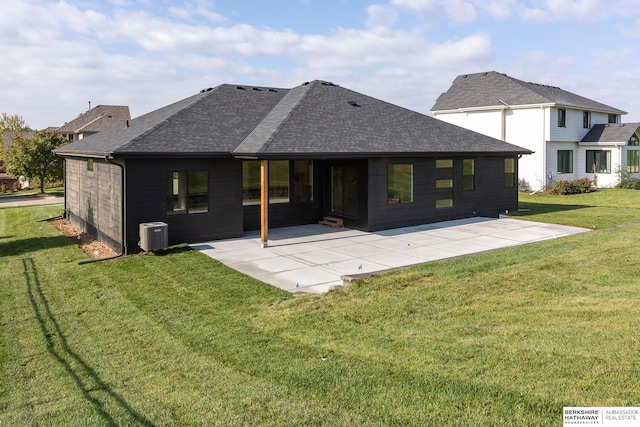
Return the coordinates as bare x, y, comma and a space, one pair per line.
509, 173
400, 183
444, 163
187, 192
562, 117
444, 183
613, 118
565, 161
468, 175
444, 203
633, 161
90, 165
598, 161
586, 119
303, 180
633, 141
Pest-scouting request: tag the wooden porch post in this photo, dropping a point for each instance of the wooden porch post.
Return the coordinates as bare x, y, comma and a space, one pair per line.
264, 202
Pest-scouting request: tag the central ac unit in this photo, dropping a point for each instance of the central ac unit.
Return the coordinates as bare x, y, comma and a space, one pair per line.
153, 236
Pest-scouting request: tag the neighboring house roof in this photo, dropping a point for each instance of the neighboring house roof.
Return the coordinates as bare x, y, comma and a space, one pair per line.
492, 89
316, 119
10, 136
612, 133
97, 119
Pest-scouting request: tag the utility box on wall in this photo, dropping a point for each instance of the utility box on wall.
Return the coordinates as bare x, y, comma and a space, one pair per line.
153, 236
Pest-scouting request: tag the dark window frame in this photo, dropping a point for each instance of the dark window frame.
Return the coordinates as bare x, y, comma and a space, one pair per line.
598, 158
562, 117
565, 165
183, 191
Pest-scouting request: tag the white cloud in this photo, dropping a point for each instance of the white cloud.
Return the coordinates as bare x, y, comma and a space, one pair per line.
379, 15
460, 11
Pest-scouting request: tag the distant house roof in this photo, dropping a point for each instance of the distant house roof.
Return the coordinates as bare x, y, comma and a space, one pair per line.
612, 133
97, 119
492, 89
316, 119
10, 136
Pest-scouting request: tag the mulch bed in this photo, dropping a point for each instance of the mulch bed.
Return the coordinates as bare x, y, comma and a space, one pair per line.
93, 248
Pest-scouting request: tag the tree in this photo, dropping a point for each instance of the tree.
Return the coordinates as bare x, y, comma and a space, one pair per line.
10, 123
34, 157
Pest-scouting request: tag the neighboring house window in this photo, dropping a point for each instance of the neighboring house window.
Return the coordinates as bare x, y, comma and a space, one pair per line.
444, 183
70, 137
468, 175
562, 117
303, 180
90, 165
598, 161
565, 161
613, 118
633, 141
586, 119
444, 203
400, 183
509, 173
187, 192
278, 182
444, 163
633, 161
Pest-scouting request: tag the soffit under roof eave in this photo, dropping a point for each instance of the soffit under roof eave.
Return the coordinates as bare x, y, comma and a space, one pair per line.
500, 107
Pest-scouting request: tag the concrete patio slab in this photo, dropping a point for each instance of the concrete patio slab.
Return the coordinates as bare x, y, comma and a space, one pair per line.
316, 258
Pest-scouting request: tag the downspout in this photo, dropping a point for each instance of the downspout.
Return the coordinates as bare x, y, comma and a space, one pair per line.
123, 246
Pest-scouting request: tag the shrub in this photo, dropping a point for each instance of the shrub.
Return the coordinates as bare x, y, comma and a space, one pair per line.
630, 184
575, 186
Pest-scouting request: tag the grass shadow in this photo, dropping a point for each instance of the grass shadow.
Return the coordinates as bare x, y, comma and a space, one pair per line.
25, 246
526, 208
85, 377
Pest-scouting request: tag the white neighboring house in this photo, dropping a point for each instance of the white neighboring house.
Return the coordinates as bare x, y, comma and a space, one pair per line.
571, 135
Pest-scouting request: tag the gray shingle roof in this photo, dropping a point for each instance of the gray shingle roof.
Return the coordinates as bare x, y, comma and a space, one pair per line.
317, 119
610, 133
323, 119
492, 89
97, 119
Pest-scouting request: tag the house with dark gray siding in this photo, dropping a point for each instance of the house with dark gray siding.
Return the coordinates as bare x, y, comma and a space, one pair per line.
229, 158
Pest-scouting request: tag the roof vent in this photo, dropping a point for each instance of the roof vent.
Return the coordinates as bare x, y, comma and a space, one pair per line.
305, 83
240, 88
327, 84
272, 90
353, 103
257, 89
206, 90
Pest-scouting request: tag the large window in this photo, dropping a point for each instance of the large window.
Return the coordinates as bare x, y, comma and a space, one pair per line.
562, 117
633, 161
278, 182
565, 161
303, 180
468, 174
400, 183
509, 173
187, 192
598, 161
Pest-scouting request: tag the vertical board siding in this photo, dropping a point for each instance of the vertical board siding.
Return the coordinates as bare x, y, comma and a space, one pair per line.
93, 199
489, 198
147, 200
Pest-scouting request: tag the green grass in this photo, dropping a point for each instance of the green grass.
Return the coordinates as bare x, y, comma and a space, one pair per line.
600, 209
501, 338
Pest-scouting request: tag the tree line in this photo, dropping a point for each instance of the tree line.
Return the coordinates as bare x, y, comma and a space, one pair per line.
29, 156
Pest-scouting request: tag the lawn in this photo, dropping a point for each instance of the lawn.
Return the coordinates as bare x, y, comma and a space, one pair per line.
503, 338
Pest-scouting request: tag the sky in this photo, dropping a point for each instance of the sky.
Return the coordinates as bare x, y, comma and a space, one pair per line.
57, 57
